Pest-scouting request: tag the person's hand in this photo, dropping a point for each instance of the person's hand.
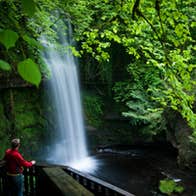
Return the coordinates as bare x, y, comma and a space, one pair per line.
33, 162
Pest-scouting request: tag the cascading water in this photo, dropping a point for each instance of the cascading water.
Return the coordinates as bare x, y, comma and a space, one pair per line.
68, 146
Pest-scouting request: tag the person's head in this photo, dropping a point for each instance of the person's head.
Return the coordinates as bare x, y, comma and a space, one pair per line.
15, 143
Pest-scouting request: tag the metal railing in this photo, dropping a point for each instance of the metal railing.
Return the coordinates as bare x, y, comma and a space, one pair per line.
33, 181
30, 180
96, 185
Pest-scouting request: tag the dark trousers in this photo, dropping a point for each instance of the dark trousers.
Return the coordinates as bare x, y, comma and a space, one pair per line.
15, 185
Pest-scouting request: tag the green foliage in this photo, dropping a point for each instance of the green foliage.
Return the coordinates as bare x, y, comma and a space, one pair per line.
4, 126
193, 139
137, 95
93, 109
32, 42
8, 38
170, 186
5, 66
160, 34
29, 71
177, 56
28, 7
14, 31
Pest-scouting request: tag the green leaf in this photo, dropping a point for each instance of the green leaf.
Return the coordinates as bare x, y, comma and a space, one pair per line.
29, 71
5, 66
31, 41
28, 7
179, 189
8, 38
167, 186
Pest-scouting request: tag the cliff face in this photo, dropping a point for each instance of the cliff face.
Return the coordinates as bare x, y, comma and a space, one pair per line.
114, 130
178, 134
22, 115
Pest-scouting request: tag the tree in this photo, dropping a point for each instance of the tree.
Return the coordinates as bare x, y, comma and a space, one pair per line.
17, 43
160, 34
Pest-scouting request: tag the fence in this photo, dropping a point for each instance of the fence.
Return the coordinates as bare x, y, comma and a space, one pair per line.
36, 183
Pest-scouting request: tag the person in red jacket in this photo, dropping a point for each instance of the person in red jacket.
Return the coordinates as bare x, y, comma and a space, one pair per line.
14, 163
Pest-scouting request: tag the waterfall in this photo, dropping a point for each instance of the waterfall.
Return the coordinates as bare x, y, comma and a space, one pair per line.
68, 146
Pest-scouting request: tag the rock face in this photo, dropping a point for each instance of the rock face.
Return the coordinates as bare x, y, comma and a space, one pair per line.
178, 134
21, 114
114, 130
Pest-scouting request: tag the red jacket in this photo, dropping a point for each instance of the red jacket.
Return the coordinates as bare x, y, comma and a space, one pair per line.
15, 162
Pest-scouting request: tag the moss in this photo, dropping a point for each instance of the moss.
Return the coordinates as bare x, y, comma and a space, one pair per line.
27, 119
4, 124
4, 146
30, 138
93, 109
29, 122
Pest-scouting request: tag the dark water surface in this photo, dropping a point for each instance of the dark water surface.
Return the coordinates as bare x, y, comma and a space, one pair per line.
138, 171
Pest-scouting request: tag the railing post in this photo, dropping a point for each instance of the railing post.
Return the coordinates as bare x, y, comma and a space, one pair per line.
3, 185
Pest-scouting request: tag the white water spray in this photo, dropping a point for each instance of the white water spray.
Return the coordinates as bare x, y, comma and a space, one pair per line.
69, 145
